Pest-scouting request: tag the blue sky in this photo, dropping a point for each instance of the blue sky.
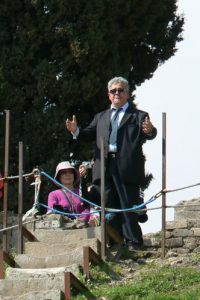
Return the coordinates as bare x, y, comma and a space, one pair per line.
174, 89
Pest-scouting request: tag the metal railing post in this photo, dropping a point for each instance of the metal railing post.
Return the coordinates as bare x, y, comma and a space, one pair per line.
6, 168
163, 183
20, 200
103, 234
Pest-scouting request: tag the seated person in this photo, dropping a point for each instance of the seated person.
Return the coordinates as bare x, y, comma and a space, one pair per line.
63, 200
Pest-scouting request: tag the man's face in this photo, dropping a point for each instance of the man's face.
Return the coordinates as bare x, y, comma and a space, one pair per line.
117, 95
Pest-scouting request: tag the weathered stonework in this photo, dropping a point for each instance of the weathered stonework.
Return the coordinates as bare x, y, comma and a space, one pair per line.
185, 227
174, 242
183, 234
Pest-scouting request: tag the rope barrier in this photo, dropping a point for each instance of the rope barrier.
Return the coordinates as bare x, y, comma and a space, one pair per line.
34, 172
134, 208
68, 214
179, 189
16, 226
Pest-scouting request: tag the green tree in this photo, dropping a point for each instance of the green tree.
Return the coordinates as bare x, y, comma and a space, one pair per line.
56, 57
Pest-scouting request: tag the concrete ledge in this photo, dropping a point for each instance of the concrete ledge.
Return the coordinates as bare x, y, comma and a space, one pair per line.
50, 261
66, 236
40, 249
16, 287
43, 295
17, 273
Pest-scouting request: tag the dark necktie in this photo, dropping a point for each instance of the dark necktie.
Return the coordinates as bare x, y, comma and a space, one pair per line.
114, 127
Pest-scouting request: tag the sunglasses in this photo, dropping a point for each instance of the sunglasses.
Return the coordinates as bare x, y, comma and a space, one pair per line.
116, 90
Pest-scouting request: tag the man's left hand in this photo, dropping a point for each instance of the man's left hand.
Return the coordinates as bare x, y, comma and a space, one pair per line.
147, 126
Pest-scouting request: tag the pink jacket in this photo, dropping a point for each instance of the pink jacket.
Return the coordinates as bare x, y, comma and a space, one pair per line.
69, 203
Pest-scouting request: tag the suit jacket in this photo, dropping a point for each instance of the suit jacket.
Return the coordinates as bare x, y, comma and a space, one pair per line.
130, 138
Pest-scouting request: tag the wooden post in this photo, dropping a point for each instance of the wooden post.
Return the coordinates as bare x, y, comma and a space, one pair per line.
163, 182
20, 200
6, 168
103, 234
72, 281
89, 255
86, 261
1, 265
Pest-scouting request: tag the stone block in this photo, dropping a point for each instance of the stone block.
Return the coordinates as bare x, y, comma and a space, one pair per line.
66, 236
197, 250
50, 261
194, 223
190, 243
168, 234
177, 224
18, 273
151, 242
184, 214
187, 204
182, 232
181, 250
44, 249
174, 242
196, 231
39, 295
15, 287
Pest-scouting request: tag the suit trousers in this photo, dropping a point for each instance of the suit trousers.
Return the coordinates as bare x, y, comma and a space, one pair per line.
122, 196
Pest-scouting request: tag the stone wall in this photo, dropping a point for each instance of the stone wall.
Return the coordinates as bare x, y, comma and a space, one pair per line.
182, 234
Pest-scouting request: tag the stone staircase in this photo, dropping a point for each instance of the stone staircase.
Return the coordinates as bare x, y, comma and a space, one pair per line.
40, 270
59, 246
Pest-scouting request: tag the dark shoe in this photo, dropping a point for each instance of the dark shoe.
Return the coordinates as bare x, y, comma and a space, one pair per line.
143, 218
132, 246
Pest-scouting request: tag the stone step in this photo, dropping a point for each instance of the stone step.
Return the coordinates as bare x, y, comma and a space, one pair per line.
41, 249
19, 287
69, 236
42, 284
44, 255
17, 273
26, 261
39, 295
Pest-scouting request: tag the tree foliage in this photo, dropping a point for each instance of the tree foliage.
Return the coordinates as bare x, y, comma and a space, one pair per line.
56, 57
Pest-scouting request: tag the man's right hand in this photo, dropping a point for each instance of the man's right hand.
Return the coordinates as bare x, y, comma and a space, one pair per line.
71, 125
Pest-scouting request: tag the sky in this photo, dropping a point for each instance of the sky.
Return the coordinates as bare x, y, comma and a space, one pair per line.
174, 90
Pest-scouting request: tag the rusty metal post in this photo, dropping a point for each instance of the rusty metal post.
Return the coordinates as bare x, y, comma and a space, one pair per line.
1, 264
86, 261
103, 231
67, 284
163, 183
20, 200
6, 168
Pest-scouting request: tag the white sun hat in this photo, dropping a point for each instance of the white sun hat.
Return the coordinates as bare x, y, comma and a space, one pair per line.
65, 165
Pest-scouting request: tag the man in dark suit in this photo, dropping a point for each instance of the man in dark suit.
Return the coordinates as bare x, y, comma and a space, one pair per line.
124, 129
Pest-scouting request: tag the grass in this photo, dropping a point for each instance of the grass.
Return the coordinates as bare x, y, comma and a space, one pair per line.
12, 253
153, 283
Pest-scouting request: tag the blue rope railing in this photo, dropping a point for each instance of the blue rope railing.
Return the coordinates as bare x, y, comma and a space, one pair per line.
111, 210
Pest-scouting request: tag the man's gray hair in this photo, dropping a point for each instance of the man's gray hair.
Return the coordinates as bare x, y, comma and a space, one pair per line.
119, 80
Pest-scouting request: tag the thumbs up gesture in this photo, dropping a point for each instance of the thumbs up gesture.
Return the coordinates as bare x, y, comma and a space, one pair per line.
147, 126
71, 125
